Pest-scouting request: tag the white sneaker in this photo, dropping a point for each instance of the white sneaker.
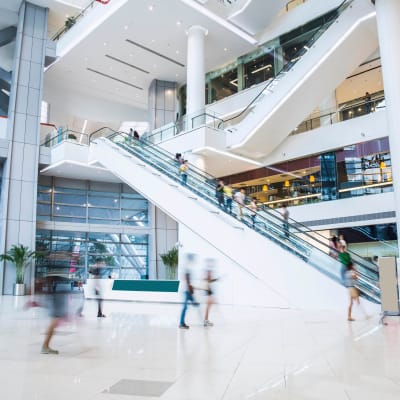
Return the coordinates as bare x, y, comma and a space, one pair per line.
48, 350
208, 323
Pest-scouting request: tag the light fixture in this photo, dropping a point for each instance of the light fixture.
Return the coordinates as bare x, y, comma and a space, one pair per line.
151, 8
382, 164
286, 184
265, 188
261, 68
225, 49
126, 27
312, 178
178, 23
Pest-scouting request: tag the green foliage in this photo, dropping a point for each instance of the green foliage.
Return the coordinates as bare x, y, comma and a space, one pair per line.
170, 260
21, 256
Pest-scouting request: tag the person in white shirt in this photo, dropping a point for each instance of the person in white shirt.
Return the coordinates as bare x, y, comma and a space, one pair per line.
239, 197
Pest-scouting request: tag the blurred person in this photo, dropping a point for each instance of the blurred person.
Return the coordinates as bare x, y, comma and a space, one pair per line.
333, 246
345, 259
367, 101
96, 272
219, 193
209, 280
228, 198
189, 290
350, 282
342, 241
285, 216
253, 210
239, 198
57, 302
183, 169
136, 135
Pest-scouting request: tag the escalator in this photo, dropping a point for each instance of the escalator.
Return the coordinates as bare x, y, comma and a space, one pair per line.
291, 249
334, 51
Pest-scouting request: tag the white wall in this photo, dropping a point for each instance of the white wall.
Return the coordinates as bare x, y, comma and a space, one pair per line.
68, 106
336, 136
377, 203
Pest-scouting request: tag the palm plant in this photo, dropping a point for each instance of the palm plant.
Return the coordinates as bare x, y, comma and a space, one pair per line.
19, 255
170, 260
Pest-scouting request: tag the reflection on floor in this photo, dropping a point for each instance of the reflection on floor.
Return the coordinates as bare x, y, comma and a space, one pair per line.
138, 352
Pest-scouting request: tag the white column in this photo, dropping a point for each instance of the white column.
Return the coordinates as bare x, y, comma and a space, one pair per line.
388, 19
195, 96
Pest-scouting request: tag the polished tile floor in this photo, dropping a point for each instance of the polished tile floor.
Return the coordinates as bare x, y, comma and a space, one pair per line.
138, 352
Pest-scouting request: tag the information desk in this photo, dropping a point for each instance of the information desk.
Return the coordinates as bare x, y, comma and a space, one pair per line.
135, 290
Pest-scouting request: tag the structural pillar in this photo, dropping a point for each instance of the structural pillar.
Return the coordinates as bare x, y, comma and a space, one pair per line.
388, 19
20, 173
195, 97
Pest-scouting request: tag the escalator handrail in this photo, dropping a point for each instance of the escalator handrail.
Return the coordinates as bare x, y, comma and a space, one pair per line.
343, 6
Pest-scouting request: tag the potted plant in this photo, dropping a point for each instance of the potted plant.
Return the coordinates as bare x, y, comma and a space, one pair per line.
21, 256
170, 260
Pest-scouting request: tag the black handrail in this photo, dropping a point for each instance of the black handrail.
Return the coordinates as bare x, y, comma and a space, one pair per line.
290, 64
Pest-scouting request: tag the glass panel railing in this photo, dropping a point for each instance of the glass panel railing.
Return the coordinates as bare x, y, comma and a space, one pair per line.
183, 125
71, 21
272, 83
292, 236
67, 135
352, 109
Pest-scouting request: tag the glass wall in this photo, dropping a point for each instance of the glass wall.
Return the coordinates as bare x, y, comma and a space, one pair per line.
59, 200
74, 255
75, 249
356, 170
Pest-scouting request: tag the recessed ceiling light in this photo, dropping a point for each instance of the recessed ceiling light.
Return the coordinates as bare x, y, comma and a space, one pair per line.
105, 43
151, 8
153, 40
176, 75
126, 27
225, 49
177, 51
179, 23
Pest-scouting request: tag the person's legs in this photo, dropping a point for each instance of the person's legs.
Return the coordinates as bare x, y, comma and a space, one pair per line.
49, 334
349, 317
229, 205
208, 307
188, 297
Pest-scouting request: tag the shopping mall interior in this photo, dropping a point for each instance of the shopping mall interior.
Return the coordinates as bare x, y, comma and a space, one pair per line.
199, 199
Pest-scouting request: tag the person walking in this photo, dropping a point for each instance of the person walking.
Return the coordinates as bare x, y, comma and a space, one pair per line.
189, 290
183, 170
209, 280
285, 216
220, 193
96, 272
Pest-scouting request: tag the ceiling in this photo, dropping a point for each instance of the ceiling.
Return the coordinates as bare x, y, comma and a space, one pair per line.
159, 33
